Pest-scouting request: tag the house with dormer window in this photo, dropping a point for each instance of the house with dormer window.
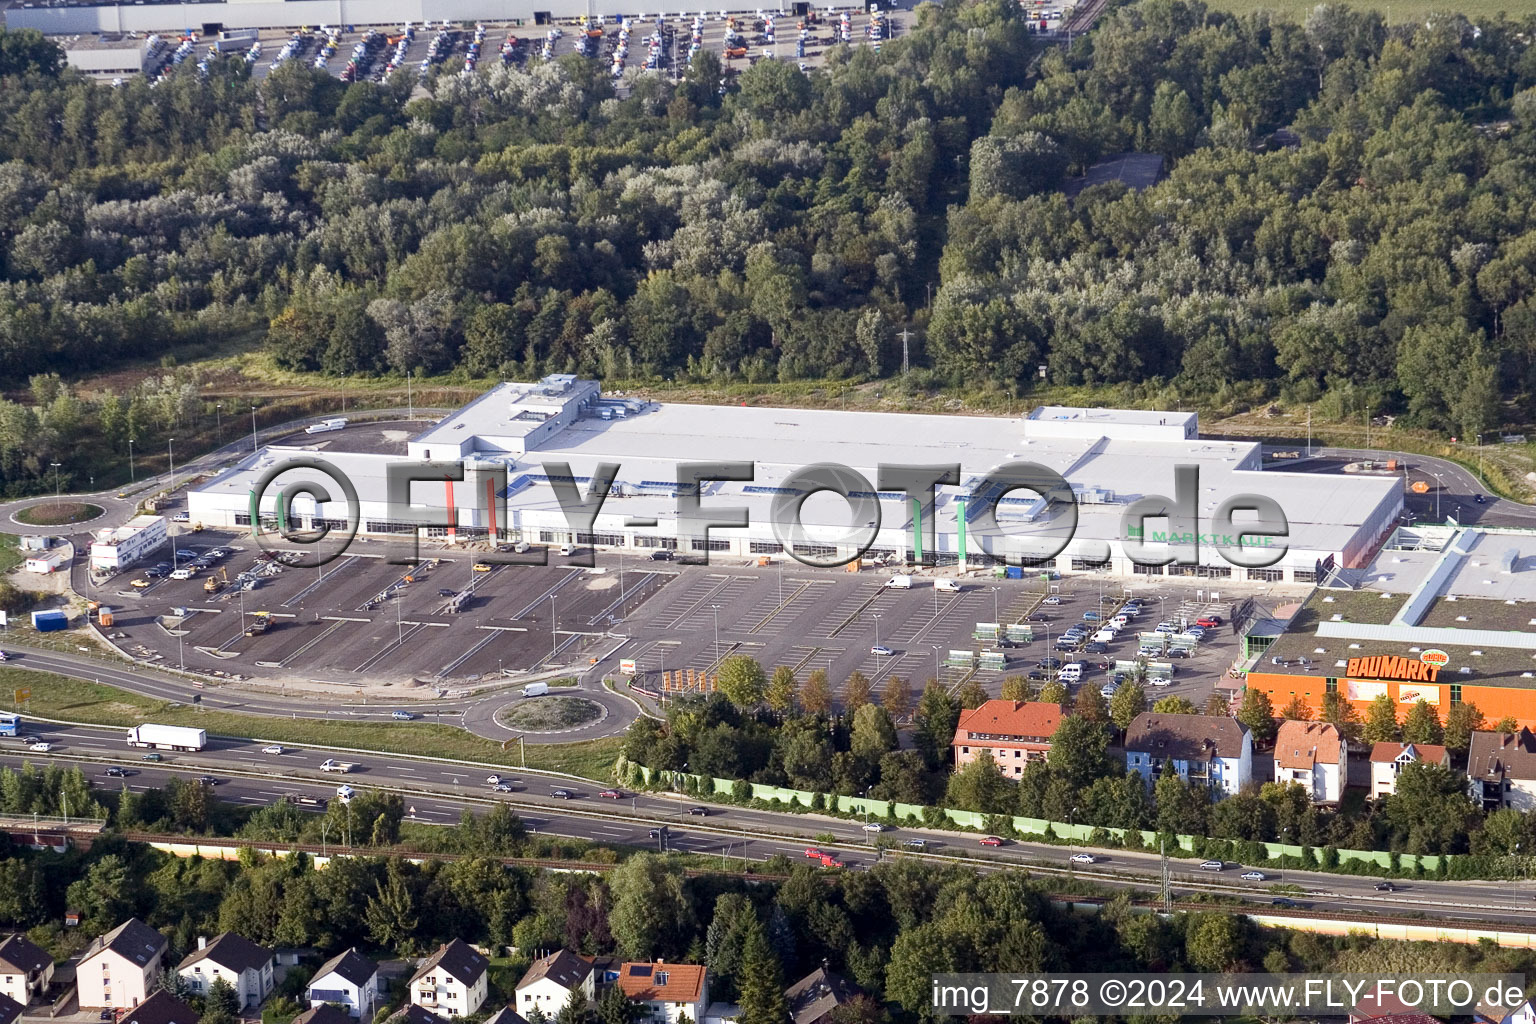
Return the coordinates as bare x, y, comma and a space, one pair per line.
1389, 759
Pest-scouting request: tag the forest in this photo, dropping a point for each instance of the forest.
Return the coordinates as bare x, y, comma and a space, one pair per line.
1346, 220
784, 732
886, 930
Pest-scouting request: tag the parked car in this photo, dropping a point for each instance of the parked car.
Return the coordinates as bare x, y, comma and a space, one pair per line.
661, 556
1053, 599
1097, 647
882, 651
1049, 663
1208, 621
1160, 680
1253, 876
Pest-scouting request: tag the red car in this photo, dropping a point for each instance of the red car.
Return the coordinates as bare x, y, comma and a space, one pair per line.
811, 851
991, 841
830, 862
1209, 621
612, 794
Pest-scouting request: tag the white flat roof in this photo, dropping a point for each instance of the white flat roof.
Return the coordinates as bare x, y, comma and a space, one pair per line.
512, 409
1483, 572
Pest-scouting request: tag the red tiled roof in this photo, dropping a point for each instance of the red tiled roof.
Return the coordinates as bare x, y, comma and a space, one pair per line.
662, 982
1025, 721
1303, 744
1386, 753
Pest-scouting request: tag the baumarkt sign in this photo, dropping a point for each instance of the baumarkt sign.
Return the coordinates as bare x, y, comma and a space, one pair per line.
1391, 667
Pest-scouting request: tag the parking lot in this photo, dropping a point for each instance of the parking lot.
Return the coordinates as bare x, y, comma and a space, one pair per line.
809, 619
644, 43
361, 618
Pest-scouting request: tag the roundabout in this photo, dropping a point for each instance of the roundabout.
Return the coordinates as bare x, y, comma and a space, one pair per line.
58, 513
551, 714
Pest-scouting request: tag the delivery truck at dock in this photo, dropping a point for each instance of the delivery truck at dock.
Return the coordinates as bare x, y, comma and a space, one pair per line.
167, 737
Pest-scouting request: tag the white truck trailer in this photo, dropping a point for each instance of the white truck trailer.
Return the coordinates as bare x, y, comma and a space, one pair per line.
167, 737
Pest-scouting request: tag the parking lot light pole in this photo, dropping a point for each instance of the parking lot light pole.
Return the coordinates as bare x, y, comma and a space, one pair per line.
1071, 840
1439, 486
132, 477
877, 629
716, 609
253, 428
554, 642
994, 605
218, 421
170, 456
56, 499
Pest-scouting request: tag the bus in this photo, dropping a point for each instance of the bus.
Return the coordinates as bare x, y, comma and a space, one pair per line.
10, 724
339, 423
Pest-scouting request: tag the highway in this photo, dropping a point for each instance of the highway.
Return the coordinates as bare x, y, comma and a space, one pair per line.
437, 792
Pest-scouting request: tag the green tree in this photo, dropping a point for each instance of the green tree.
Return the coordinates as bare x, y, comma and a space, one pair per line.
651, 913
971, 694
896, 697
937, 716
1054, 692
1213, 942
1216, 706
26, 51
1461, 721
222, 999
1381, 721
104, 895
1130, 700
614, 1007
1091, 706
980, 786
391, 913
873, 733
762, 983
1258, 715
856, 691
742, 681
780, 694
1017, 688
816, 694
1296, 710
1422, 725
1507, 725
1175, 706
1078, 752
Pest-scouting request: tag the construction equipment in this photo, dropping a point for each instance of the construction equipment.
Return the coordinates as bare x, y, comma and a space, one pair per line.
260, 623
214, 584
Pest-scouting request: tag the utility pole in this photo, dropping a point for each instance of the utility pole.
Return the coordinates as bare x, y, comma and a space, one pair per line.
253, 429
1162, 846
906, 362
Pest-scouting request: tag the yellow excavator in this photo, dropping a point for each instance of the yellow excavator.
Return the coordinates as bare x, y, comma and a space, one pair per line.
214, 584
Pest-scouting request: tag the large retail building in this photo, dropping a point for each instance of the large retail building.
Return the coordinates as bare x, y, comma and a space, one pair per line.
1444, 614
1110, 458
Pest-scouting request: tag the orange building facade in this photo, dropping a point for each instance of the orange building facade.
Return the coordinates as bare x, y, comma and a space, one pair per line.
1494, 700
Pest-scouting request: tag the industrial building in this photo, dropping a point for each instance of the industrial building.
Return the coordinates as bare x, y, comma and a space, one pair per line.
115, 549
1444, 614
1110, 458
106, 56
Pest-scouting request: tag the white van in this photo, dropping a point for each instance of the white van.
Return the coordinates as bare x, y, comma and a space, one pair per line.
183, 574
1071, 673
950, 586
567, 549
1103, 636
535, 689
899, 582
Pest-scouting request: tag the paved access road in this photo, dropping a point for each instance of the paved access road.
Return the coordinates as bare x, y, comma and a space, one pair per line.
1457, 489
437, 792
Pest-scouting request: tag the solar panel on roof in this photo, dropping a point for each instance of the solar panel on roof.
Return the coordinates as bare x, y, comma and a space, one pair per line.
640, 970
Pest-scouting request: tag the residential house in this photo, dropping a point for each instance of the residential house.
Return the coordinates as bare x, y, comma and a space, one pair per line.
813, 998
1387, 1007
550, 980
10, 1010
325, 1013
1521, 1012
1217, 752
122, 967
1011, 732
1314, 755
506, 1015
350, 980
1502, 767
453, 982
246, 966
25, 970
665, 992
160, 1008
1388, 759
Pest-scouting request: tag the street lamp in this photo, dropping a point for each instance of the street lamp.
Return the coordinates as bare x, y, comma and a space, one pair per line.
936, 663
877, 629
253, 428
554, 641
132, 477
218, 419
55, 466
1439, 486
170, 456
1071, 839
716, 609
994, 604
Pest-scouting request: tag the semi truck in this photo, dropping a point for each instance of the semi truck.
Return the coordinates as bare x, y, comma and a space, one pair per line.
330, 764
167, 737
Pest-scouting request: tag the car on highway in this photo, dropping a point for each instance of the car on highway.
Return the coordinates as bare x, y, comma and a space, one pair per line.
813, 853
1084, 858
1479, 499
114, 772
881, 651
345, 793
561, 794
402, 716
207, 780
482, 567
873, 826
990, 841
1213, 865
655, 833
41, 747
700, 810
916, 844
275, 748
152, 757
612, 794
1385, 887
1284, 902
1253, 876
502, 787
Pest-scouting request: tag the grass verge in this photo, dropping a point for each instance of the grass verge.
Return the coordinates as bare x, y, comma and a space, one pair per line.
75, 700
10, 551
60, 513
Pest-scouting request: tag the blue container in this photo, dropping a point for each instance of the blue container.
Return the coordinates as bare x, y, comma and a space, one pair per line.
49, 621
1015, 572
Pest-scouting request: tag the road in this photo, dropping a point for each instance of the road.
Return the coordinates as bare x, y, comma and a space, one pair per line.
1457, 489
476, 714
437, 792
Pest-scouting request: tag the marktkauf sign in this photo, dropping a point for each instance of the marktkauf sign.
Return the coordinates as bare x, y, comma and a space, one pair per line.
1414, 670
